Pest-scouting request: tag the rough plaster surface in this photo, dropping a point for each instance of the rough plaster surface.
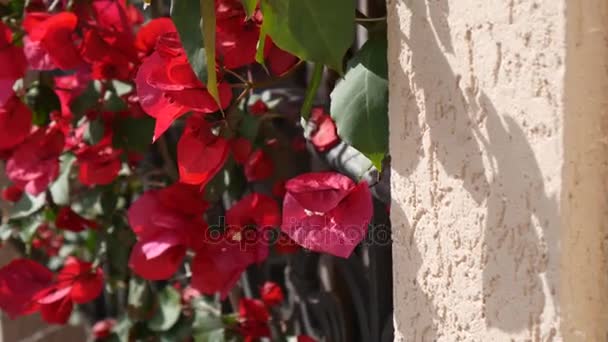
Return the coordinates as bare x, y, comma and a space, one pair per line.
499, 134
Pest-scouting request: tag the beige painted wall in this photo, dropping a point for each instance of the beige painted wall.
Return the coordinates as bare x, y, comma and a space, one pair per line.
499, 133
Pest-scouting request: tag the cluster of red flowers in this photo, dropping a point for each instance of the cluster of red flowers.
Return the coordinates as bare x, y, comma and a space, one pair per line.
324, 212
27, 287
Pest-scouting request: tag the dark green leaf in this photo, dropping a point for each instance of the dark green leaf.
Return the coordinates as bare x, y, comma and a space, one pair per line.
42, 100
138, 292
29, 227
119, 243
181, 331
122, 329
249, 6
133, 134
95, 130
113, 103
168, 311
108, 200
249, 126
186, 15
17, 6
87, 100
314, 30
27, 205
360, 102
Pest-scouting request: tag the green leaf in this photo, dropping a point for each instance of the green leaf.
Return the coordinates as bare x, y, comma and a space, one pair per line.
95, 130
359, 103
122, 329
133, 134
87, 100
249, 126
181, 331
208, 28
138, 291
119, 243
314, 30
29, 227
259, 53
187, 20
6, 231
216, 335
113, 103
42, 100
169, 309
27, 205
60, 189
249, 6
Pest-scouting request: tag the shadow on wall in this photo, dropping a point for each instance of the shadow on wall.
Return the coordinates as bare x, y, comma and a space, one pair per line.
456, 123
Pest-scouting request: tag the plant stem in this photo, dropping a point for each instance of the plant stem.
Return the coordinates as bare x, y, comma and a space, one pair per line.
240, 78
311, 92
370, 20
169, 165
266, 83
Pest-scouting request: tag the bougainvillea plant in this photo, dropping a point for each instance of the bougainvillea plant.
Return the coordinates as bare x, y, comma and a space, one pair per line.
150, 163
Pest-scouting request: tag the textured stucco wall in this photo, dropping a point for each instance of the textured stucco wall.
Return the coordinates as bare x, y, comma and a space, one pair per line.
499, 122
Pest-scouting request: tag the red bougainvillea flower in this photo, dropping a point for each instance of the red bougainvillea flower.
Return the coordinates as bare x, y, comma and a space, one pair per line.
253, 318
77, 282
15, 123
102, 329
241, 149
47, 241
167, 222
285, 245
200, 153
111, 15
279, 61
218, 266
188, 294
278, 189
254, 209
258, 108
298, 144
99, 164
13, 64
147, 36
237, 39
49, 43
108, 40
12, 193
259, 166
325, 136
168, 88
135, 16
326, 212
20, 280
67, 219
84, 281
272, 294
108, 60
248, 222
35, 163
69, 87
